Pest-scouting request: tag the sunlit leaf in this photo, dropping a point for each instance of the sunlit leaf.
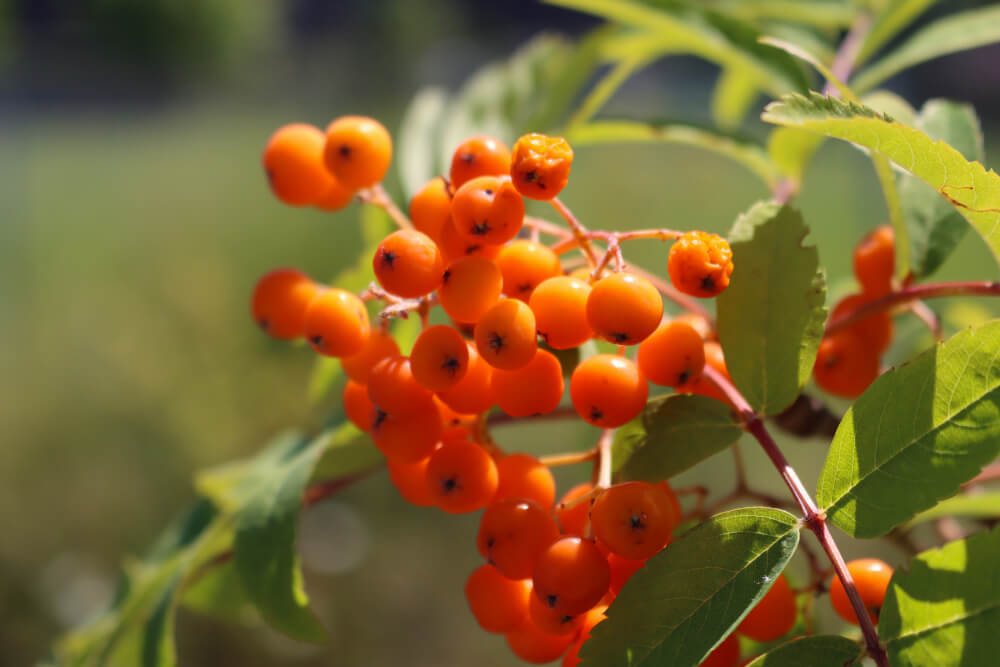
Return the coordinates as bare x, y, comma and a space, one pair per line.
984, 505
816, 651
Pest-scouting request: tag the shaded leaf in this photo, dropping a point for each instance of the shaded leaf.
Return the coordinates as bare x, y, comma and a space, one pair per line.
819, 13
817, 651
417, 140
791, 150
894, 17
734, 92
219, 593
979, 506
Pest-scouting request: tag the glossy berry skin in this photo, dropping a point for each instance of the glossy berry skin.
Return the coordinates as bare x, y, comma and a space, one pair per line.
875, 262
410, 479
700, 264
533, 389
871, 577
846, 364
279, 302
524, 476
505, 335
622, 570
469, 288
488, 210
336, 196
430, 208
336, 323
440, 358
513, 533
540, 165
608, 390
673, 355
408, 438
408, 263
478, 156
461, 477
571, 575
714, 358
573, 520
624, 309
393, 388
560, 308
773, 616
454, 245
726, 654
875, 329
535, 646
378, 346
293, 162
524, 265
633, 519
358, 151
551, 620
499, 604
357, 406
699, 323
472, 394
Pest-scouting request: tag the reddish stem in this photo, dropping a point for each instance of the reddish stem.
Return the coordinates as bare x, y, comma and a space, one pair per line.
579, 231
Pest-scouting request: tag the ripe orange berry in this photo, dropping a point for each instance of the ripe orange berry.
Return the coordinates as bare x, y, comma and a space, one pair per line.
700, 264
540, 165
594, 616
293, 161
357, 151
846, 364
571, 575
505, 335
871, 577
336, 323
573, 520
378, 346
534, 389
608, 390
410, 479
478, 156
773, 616
524, 476
461, 477
726, 654
875, 262
512, 534
357, 406
673, 356
699, 323
622, 570
440, 358
488, 210
875, 329
560, 308
551, 620
470, 286
430, 209
279, 302
408, 264
455, 246
535, 646
474, 392
624, 309
393, 388
524, 265
715, 359
336, 196
633, 519
408, 438
499, 604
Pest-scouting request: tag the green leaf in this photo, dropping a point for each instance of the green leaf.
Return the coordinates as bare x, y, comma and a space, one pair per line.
915, 435
892, 105
817, 651
744, 151
734, 92
791, 150
945, 610
771, 316
688, 597
711, 35
890, 22
673, 434
978, 505
935, 227
418, 139
347, 451
229, 485
974, 191
818, 13
158, 633
219, 593
958, 32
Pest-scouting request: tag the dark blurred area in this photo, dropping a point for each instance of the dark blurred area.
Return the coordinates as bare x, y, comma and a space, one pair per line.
134, 220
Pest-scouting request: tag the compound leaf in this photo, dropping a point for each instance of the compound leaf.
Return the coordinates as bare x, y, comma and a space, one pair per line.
978, 505
817, 651
418, 139
734, 92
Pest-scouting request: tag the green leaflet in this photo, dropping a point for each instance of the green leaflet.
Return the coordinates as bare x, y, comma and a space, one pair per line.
688, 597
894, 18
915, 435
734, 92
417, 140
816, 651
979, 505
818, 13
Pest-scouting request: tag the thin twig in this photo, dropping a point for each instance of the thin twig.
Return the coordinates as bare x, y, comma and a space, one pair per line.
377, 196
568, 458
579, 231
929, 318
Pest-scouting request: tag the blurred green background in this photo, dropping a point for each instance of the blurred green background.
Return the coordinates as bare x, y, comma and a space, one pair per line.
134, 220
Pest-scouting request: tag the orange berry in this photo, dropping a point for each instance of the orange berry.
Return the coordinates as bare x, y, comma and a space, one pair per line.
594, 616
430, 209
673, 356
478, 156
871, 578
551, 620
875, 329
571, 575
408, 438
410, 479
726, 654
633, 519
505, 335
846, 364
393, 388
293, 161
279, 302
455, 246
336, 323
357, 406
470, 286
699, 323
535, 646
512, 534
540, 165
700, 264
336, 196
488, 209
440, 358
450, 418
357, 151
573, 520
608, 390
622, 570
875, 261
702, 386
461, 477
624, 309
524, 265
773, 616
408, 264
474, 392
378, 346
560, 308
499, 604
524, 476
534, 389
